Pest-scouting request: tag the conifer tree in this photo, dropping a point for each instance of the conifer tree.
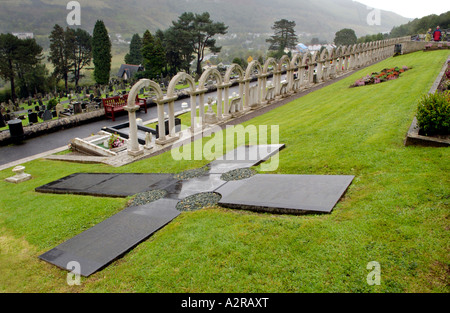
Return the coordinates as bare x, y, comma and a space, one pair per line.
134, 57
101, 53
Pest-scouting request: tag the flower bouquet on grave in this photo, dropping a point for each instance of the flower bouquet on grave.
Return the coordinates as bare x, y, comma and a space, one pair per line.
114, 141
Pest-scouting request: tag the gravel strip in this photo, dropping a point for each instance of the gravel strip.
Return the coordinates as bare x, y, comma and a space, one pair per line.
192, 173
147, 197
198, 201
238, 174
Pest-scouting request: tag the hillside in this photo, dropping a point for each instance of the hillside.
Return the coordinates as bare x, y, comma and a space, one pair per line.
320, 18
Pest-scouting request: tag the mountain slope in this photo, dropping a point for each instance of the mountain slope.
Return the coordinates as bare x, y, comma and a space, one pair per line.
320, 17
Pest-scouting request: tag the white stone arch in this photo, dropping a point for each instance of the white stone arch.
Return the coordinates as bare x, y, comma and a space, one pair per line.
332, 62
178, 78
170, 100
144, 83
253, 64
269, 92
307, 64
233, 105
297, 65
253, 95
219, 85
133, 143
284, 87
232, 69
210, 72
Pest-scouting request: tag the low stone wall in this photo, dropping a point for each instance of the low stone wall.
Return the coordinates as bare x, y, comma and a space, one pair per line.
413, 46
54, 125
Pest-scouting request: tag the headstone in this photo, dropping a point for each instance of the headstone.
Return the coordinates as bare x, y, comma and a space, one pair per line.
47, 116
33, 118
59, 108
2, 121
37, 108
16, 130
77, 109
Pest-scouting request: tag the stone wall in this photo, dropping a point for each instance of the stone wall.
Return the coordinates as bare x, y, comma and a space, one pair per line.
54, 125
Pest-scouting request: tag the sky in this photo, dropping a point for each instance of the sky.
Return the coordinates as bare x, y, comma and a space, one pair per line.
411, 8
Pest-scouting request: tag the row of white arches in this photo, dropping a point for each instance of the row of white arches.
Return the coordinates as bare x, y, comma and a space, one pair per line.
301, 71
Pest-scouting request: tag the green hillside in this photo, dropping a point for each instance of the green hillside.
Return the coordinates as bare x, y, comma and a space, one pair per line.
320, 18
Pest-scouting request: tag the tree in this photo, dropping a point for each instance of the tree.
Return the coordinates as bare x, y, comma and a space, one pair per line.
345, 37
154, 56
198, 31
101, 53
135, 55
82, 53
284, 36
17, 56
62, 46
179, 52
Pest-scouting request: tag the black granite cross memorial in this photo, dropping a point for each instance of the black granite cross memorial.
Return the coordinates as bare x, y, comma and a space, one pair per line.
103, 243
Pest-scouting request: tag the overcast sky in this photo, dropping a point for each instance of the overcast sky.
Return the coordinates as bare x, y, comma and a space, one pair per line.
411, 8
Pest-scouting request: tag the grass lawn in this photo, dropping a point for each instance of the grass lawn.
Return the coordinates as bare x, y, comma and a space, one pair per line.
395, 212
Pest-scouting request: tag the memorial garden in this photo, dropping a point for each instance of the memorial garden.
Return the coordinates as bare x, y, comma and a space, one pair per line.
394, 212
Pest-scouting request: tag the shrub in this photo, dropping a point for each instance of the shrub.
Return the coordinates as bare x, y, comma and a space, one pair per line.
52, 104
433, 114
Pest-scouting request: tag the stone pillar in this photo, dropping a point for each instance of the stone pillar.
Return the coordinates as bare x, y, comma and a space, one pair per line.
133, 145
171, 119
247, 94
161, 124
264, 88
219, 102
241, 95
301, 74
226, 113
193, 112
201, 107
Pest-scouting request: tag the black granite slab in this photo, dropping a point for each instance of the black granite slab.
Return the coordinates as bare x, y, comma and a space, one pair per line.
250, 154
291, 194
100, 245
107, 185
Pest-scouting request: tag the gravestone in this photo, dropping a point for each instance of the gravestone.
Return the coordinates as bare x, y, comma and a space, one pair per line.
59, 108
47, 116
33, 118
37, 108
2, 120
77, 108
16, 130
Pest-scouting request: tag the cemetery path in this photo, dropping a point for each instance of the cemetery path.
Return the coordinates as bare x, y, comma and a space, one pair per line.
41, 146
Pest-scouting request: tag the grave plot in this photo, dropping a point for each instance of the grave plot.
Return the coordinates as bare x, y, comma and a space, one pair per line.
100, 245
289, 194
107, 185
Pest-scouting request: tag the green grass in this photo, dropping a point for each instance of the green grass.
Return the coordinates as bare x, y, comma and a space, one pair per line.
395, 212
